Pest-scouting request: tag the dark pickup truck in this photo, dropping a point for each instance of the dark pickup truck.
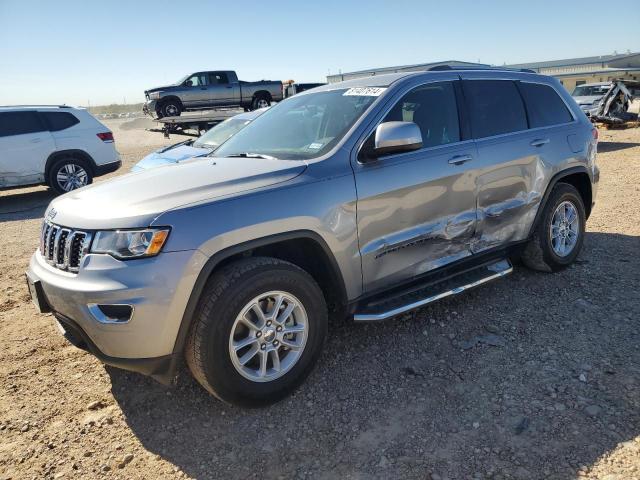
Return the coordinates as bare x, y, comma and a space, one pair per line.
213, 89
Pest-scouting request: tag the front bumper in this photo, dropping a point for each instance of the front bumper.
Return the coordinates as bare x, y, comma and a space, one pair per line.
103, 169
149, 107
589, 109
156, 288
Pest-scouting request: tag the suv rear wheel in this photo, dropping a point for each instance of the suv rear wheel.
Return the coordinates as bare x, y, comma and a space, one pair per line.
558, 237
259, 330
68, 174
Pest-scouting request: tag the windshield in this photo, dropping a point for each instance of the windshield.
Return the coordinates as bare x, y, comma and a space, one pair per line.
590, 90
303, 127
216, 136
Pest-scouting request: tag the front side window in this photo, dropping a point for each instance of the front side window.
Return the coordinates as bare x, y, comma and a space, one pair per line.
197, 80
19, 123
544, 106
495, 107
57, 121
433, 108
302, 127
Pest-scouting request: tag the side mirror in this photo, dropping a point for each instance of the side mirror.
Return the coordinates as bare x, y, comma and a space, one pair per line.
397, 137
188, 83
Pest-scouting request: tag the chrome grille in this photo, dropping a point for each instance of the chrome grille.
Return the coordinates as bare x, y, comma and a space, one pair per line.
63, 247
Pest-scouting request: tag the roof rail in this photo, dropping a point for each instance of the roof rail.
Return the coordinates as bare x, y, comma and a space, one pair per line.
36, 106
439, 68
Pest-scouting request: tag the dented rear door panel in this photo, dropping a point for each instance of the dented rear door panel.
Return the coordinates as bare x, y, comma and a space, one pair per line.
513, 174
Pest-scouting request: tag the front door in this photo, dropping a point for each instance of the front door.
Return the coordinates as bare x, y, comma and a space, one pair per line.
197, 93
25, 145
416, 210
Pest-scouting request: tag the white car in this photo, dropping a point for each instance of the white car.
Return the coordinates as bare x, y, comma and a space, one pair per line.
59, 146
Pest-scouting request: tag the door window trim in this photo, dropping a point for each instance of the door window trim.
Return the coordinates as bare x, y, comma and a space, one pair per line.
399, 96
536, 129
573, 117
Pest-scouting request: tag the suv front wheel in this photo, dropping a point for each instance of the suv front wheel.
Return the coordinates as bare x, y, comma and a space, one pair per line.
558, 236
258, 331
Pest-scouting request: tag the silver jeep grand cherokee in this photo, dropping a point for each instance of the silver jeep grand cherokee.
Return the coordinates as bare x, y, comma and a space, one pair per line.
365, 199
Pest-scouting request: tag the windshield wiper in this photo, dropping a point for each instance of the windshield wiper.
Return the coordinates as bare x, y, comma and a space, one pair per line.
186, 142
252, 155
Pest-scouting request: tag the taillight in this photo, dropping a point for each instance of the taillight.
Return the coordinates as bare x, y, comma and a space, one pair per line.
594, 132
106, 136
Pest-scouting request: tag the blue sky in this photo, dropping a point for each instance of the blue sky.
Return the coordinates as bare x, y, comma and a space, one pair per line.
77, 52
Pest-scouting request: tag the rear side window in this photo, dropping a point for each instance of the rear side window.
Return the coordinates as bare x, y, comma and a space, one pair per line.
433, 108
19, 123
57, 121
544, 105
495, 107
217, 78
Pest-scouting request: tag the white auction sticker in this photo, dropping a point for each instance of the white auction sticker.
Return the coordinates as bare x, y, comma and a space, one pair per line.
365, 91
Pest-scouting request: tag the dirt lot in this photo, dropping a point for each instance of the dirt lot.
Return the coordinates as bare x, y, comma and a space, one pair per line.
534, 376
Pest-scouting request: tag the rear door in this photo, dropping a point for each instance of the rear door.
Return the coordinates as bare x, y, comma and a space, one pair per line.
416, 210
513, 159
221, 90
25, 145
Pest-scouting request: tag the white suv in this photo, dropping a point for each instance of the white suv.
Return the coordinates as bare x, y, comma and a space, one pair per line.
62, 147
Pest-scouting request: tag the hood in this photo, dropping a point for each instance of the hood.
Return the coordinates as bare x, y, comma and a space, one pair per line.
160, 89
176, 154
135, 199
587, 99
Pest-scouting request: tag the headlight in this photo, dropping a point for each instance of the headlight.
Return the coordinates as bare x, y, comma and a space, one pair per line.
154, 95
125, 244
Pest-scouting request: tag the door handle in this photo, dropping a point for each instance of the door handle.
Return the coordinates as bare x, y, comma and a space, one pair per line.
538, 142
229, 86
36, 140
460, 159
203, 88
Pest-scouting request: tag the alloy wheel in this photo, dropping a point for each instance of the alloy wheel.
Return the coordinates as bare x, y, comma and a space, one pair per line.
71, 176
268, 336
564, 229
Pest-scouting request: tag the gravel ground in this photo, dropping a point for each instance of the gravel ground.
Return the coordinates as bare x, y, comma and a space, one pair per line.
533, 376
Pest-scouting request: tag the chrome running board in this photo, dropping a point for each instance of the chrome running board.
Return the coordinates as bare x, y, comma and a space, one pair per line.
433, 292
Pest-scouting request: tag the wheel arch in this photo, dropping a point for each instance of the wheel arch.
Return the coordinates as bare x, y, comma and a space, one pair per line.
164, 100
74, 153
304, 248
262, 93
579, 178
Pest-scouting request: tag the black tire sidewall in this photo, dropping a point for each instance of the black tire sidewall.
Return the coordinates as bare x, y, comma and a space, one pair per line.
220, 373
562, 193
167, 104
254, 104
55, 168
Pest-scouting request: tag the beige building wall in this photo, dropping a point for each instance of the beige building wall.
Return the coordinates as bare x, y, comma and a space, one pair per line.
570, 82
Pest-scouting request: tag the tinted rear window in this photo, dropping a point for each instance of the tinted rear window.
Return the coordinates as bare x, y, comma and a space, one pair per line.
544, 105
19, 123
495, 107
59, 120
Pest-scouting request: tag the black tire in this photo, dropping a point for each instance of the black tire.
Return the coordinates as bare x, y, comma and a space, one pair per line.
75, 167
170, 108
227, 292
539, 253
260, 101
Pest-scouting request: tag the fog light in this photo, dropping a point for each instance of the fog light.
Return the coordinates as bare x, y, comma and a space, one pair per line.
111, 313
